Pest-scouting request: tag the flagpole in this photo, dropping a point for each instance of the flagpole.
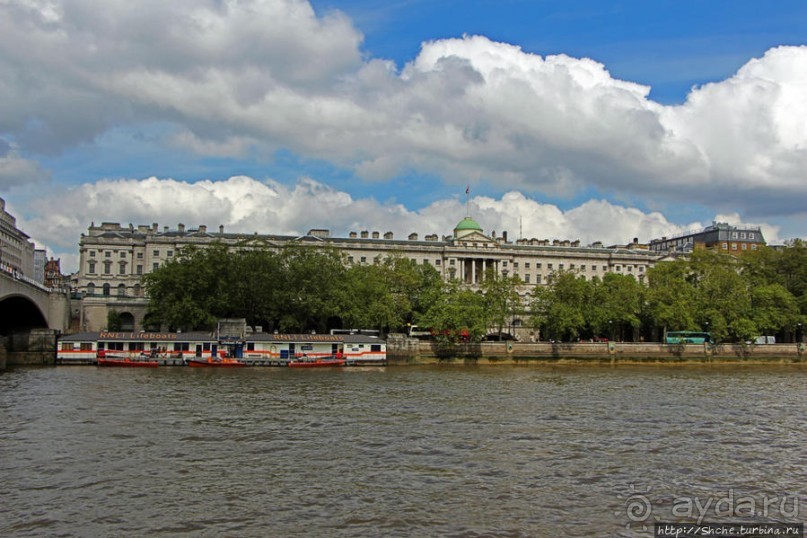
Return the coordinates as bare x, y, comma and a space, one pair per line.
468, 201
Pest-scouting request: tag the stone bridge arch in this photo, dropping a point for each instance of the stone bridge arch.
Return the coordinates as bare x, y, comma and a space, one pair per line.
20, 313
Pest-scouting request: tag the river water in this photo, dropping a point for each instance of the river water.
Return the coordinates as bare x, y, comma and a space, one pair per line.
398, 451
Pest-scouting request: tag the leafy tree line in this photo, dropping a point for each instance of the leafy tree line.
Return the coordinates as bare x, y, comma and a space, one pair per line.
294, 289
735, 299
299, 288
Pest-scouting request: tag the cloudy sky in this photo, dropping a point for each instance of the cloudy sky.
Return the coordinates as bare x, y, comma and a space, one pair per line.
570, 119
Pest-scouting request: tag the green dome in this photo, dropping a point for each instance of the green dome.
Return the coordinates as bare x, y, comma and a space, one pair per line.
468, 224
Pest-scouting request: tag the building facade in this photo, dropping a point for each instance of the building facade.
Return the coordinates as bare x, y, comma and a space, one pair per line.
114, 258
735, 240
53, 274
16, 248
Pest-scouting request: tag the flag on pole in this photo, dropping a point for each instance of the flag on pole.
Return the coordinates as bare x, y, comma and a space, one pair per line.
468, 189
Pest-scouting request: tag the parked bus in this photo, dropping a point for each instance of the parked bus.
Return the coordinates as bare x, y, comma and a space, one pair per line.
687, 337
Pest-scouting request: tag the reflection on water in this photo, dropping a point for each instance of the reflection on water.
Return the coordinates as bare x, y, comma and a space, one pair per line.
396, 451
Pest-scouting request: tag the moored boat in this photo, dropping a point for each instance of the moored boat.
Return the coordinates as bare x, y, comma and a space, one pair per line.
215, 363
317, 363
126, 362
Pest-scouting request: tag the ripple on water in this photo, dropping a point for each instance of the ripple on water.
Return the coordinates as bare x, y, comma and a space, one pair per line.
389, 452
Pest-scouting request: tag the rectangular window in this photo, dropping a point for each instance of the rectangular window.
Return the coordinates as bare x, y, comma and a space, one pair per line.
724, 246
549, 266
504, 263
515, 264
155, 266
363, 259
156, 253
560, 266
92, 267
86, 346
537, 279
107, 268
107, 254
139, 255
250, 346
350, 259
604, 268
571, 266
139, 269
92, 254
436, 262
538, 265
451, 262
170, 253
122, 269
753, 247
742, 235
750, 235
123, 254
526, 265
734, 246
630, 268
745, 246
526, 279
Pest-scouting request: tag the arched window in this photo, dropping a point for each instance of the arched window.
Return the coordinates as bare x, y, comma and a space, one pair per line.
121, 290
137, 290
106, 290
90, 289
126, 321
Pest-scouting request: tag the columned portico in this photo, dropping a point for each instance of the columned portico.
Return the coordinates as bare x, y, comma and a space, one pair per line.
473, 270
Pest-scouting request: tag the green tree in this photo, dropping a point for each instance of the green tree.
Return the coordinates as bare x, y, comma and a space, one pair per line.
670, 296
459, 313
502, 300
559, 309
188, 291
314, 282
113, 320
615, 306
722, 296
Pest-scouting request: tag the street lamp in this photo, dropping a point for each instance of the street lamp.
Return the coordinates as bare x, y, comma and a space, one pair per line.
610, 331
798, 333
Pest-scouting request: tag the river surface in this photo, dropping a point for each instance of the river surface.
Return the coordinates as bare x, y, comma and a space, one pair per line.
398, 451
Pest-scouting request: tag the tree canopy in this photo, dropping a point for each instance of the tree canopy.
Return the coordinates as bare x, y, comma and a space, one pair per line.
300, 288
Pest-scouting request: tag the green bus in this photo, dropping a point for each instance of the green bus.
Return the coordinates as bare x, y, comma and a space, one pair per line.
687, 337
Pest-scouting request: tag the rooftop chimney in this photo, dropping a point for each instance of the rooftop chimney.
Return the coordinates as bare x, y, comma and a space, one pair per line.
181, 227
221, 228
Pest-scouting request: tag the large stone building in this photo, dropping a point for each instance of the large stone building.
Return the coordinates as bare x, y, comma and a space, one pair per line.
736, 240
114, 258
16, 248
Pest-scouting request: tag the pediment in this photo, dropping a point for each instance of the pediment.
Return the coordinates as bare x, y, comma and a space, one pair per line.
476, 237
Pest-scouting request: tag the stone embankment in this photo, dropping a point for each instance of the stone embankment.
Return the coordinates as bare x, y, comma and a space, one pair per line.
28, 348
409, 350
